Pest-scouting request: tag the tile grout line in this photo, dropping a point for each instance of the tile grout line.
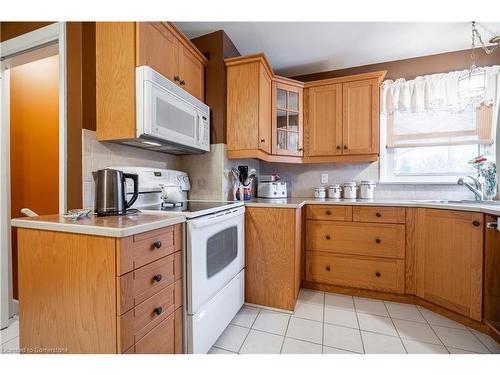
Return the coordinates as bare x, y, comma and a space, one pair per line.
284, 336
359, 326
390, 317
432, 328
249, 330
471, 331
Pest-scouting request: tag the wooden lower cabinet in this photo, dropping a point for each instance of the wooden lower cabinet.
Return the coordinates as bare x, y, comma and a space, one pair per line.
492, 276
89, 294
449, 259
273, 247
386, 275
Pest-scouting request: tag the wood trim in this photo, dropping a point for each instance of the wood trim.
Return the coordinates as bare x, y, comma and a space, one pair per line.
186, 42
369, 158
288, 81
259, 154
411, 256
247, 59
379, 75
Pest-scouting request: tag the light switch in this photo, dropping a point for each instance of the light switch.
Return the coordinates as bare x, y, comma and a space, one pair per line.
324, 178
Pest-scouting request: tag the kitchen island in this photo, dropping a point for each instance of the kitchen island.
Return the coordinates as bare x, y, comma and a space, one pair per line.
100, 284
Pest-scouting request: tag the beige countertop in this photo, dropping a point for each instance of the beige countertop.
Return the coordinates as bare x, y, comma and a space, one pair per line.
493, 209
108, 226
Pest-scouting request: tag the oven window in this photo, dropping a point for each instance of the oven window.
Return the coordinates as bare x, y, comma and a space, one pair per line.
222, 248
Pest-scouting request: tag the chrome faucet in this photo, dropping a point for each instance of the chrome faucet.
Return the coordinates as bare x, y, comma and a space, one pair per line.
477, 189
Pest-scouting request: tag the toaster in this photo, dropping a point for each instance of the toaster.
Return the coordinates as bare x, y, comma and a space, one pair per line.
276, 189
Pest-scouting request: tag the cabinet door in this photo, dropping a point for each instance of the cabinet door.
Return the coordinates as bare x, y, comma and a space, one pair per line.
264, 110
191, 73
450, 259
324, 126
360, 126
287, 129
158, 48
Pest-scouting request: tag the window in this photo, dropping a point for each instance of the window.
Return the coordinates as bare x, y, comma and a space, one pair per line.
427, 135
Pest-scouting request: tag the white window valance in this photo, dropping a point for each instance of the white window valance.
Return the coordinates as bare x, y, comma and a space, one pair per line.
433, 92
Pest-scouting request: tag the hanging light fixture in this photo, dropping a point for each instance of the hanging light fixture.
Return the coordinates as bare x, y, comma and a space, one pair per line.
472, 85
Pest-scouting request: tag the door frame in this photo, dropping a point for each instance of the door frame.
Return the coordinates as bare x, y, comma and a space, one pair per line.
55, 32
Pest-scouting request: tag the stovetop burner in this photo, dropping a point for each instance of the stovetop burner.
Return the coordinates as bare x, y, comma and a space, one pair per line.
190, 206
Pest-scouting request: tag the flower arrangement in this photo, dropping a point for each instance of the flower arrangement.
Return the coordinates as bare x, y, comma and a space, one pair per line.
487, 169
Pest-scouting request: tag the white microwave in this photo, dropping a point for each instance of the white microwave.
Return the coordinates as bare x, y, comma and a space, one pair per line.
169, 119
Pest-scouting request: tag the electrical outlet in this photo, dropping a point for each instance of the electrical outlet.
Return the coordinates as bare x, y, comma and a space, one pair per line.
324, 178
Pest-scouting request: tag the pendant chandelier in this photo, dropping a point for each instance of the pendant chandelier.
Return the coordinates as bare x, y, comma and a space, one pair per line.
472, 85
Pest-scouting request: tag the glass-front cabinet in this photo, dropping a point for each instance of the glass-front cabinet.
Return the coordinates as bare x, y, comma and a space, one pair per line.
287, 126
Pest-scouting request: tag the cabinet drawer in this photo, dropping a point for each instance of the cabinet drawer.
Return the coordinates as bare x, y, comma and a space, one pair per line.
142, 283
136, 323
141, 249
356, 272
161, 339
379, 214
381, 240
329, 212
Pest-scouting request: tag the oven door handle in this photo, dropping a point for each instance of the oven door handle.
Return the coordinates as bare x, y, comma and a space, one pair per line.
216, 218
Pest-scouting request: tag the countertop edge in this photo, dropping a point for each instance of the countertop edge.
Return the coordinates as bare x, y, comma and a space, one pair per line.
446, 206
96, 230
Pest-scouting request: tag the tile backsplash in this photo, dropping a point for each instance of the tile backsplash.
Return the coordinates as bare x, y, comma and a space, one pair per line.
302, 178
99, 155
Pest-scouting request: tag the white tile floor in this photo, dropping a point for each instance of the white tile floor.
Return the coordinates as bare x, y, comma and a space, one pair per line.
337, 324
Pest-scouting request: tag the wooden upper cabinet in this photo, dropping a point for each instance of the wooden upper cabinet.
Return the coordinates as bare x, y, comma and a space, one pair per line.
158, 48
360, 110
264, 112
123, 46
324, 120
287, 118
449, 246
342, 118
191, 73
248, 106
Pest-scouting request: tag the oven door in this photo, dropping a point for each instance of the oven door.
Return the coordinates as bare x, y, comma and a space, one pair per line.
215, 254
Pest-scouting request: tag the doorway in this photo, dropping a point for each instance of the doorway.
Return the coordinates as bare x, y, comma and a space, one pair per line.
32, 142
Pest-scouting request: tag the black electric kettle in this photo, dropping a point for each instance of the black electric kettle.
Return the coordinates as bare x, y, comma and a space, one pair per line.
111, 192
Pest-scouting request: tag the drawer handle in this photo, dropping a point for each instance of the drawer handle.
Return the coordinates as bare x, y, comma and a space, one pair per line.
476, 223
378, 214
377, 240
378, 274
328, 237
158, 310
328, 212
177, 78
182, 82
328, 268
157, 244
157, 278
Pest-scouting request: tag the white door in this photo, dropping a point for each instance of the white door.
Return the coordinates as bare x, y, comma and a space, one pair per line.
215, 254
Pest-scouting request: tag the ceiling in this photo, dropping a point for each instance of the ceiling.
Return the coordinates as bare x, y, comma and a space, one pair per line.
296, 48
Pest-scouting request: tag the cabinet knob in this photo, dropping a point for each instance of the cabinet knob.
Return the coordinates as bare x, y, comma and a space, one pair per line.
377, 240
262, 140
157, 244
476, 223
338, 147
300, 149
158, 310
345, 147
328, 268
328, 212
177, 78
377, 274
157, 278
182, 82
378, 214
328, 237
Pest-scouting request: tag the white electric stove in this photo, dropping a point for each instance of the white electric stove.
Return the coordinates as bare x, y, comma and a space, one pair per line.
214, 256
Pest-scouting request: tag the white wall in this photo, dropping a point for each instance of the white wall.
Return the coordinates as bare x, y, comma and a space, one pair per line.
99, 155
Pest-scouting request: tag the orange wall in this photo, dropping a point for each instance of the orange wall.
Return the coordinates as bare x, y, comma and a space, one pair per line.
34, 141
